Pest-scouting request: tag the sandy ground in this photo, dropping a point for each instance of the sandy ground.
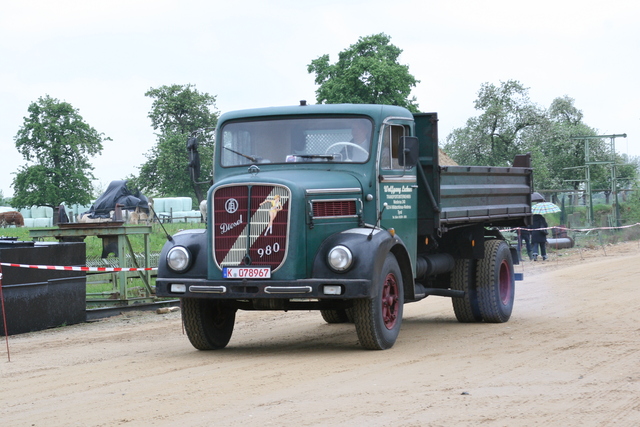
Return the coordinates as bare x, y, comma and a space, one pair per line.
569, 356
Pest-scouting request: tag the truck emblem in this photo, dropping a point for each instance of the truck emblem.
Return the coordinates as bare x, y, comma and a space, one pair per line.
231, 206
224, 227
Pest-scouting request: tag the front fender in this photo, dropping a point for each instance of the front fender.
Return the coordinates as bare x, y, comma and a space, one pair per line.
195, 241
368, 254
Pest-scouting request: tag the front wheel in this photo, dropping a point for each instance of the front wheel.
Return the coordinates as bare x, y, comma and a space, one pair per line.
335, 316
495, 282
208, 323
378, 320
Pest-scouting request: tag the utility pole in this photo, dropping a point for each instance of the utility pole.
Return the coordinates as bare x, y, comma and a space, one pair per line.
612, 163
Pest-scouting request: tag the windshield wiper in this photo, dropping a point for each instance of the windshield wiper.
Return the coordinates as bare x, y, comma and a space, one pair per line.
253, 159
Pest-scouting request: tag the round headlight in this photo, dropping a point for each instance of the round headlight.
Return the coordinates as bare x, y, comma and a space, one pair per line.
178, 258
340, 258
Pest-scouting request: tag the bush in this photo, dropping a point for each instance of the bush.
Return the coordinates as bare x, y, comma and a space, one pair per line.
630, 210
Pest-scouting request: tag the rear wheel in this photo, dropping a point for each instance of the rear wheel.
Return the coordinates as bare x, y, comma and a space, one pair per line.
463, 278
208, 323
495, 282
378, 320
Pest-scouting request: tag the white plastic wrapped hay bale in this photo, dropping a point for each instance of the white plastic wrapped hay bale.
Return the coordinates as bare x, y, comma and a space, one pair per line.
42, 222
41, 212
158, 205
172, 204
187, 203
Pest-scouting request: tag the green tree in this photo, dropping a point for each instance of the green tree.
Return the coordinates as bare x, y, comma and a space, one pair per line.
498, 133
367, 72
177, 112
510, 123
627, 171
166, 171
630, 209
561, 157
57, 144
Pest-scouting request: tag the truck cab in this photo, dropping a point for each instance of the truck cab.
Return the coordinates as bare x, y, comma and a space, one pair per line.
316, 207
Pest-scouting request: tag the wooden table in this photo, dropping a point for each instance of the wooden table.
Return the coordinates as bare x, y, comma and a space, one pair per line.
115, 239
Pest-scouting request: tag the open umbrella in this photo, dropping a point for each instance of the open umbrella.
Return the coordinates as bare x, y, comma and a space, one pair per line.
545, 208
537, 197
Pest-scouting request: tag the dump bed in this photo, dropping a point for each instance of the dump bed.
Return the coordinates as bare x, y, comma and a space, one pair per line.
496, 195
457, 195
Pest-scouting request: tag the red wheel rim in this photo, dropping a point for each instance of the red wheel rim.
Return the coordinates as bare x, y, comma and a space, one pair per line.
505, 283
390, 305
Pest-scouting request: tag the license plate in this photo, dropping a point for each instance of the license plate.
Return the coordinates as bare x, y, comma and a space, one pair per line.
246, 272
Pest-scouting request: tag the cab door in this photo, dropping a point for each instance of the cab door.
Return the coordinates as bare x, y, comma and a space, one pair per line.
397, 187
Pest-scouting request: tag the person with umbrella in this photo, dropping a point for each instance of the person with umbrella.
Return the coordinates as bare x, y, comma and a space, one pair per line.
539, 237
539, 226
524, 234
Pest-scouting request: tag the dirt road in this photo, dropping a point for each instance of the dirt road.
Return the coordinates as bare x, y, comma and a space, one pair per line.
569, 356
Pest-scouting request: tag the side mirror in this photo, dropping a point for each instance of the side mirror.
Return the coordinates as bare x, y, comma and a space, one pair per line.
192, 143
409, 151
194, 157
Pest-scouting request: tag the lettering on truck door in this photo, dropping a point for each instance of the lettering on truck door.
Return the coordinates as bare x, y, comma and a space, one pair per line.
397, 188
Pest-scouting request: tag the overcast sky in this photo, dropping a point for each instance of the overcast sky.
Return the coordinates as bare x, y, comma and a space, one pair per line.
102, 56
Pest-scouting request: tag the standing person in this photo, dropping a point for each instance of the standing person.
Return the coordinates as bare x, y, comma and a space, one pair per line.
524, 235
539, 237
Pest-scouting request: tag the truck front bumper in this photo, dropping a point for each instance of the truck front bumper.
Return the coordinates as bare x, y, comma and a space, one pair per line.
251, 289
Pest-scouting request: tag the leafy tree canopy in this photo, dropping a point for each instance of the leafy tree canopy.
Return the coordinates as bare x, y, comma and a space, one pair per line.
367, 72
167, 166
181, 109
57, 144
510, 123
177, 112
497, 134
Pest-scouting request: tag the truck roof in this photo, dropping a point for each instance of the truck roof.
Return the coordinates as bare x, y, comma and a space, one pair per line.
375, 111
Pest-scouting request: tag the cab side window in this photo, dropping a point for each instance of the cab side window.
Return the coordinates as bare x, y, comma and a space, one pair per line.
390, 142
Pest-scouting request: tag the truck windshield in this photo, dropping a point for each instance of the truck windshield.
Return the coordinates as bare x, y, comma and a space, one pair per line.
317, 139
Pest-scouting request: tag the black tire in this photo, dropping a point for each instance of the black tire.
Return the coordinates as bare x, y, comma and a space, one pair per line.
378, 320
335, 316
495, 282
349, 312
208, 323
463, 278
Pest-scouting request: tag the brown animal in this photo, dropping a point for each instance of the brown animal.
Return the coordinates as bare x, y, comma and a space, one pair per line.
138, 217
11, 218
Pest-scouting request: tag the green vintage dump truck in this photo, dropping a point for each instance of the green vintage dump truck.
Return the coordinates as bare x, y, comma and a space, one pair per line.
344, 209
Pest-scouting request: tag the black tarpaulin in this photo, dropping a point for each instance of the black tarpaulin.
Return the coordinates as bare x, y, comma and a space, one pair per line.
118, 193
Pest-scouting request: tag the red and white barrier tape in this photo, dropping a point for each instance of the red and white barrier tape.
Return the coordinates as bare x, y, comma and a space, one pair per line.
573, 229
115, 269
69, 268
